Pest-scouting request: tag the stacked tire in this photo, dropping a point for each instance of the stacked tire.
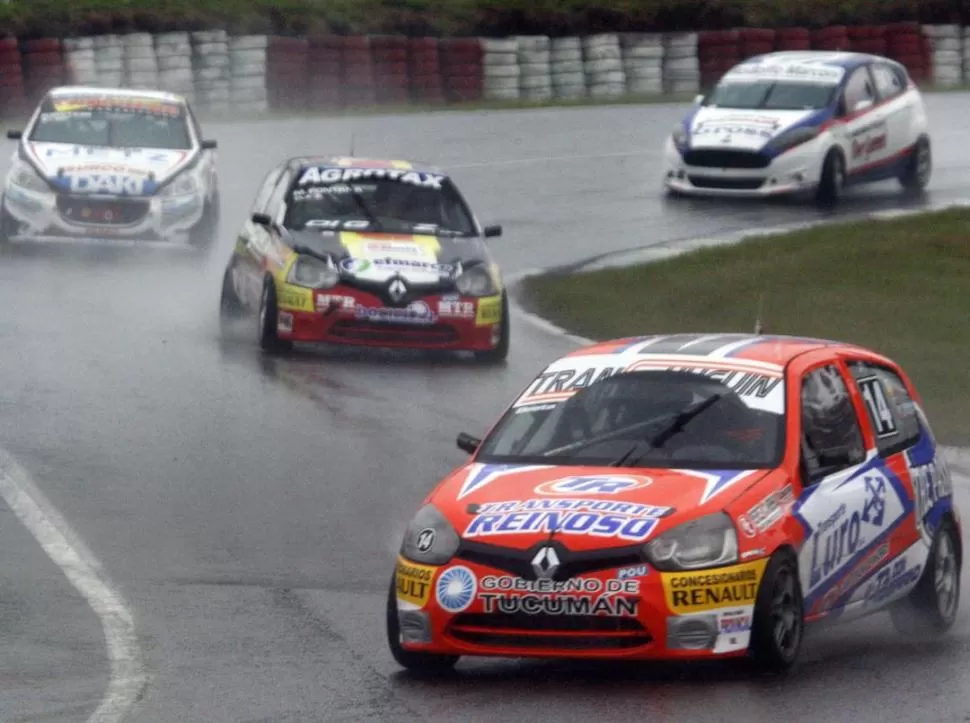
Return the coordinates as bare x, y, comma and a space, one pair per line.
391, 81
566, 68
603, 65
682, 72
173, 52
717, 52
501, 69
535, 79
462, 67
643, 60
358, 71
324, 72
946, 46
141, 65
13, 100
756, 41
867, 39
247, 83
424, 71
966, 53
793, 39
286, 72
80, 61
43, 65
905, 44
835, 37
109, 60
211, 69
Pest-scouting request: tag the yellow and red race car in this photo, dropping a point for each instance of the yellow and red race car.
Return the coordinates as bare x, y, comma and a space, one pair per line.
684, 497
365, 252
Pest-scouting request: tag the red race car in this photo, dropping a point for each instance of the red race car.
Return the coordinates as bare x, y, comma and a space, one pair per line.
683, 497
365, 252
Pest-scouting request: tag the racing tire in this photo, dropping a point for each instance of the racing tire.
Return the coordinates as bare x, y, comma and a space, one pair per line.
778, 627
501, 351
428, 663
231, 307
204, 233
931, 608
267, 320
831, 184
916, 175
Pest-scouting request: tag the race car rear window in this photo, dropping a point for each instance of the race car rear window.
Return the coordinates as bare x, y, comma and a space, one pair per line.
376, 200
163, 127
771, 95
737, 420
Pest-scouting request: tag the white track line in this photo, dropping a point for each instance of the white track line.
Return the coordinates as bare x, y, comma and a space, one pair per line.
85, 573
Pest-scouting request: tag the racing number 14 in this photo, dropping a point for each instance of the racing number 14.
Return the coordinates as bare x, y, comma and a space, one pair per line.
879, 411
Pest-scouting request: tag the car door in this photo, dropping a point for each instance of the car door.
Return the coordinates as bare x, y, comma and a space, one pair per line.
864, 121
899, 108
849, 506
906, 444
251, 244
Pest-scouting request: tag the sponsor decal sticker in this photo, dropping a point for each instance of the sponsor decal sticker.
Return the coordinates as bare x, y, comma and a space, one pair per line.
285, 321
456, 589
417, 312
324, 175
359, 266
629, 573
489, 311
578, 596
413, 582
766, 513
454, 309
291, 297
480, 475
734, 622
336, 302
728, 587
593, 485
892, 580
597, 518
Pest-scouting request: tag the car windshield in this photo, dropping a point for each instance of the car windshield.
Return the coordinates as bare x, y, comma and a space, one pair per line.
398, 202
597, 415
771, 95
118, 123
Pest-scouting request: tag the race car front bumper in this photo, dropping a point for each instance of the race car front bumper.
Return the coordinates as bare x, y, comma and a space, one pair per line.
794, 171
59, 217
350, 316
630, 612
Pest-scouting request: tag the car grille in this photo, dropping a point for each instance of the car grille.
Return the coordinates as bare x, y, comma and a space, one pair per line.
735, 184
725, 158
572, 563
362, 332
563, 632
101, 212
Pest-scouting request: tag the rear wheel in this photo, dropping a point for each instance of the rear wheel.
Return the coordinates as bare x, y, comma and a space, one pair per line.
501, 350
931, 608
412, 660
916, 174
268, 319
832, 181
779, 619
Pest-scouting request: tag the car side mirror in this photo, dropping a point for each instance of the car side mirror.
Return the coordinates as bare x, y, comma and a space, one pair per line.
698, 99
209, 145
468, 443
492, 231
261, 219
864, 104
15, 135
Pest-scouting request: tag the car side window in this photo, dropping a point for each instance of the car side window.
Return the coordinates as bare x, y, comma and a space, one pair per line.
276, 207
262, 196
890, 408
858, 88
888, 82
831, 435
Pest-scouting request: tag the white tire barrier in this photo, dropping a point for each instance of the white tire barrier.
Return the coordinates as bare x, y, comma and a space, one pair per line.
109, 62
566, 68
643, 55
681, 68
173, 51
79, 61
603, 65
501, 69
247, 59
946, 42
210, 69
535, 79
141, 67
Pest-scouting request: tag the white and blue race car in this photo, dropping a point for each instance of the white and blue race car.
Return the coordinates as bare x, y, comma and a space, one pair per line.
115, 165
805, 121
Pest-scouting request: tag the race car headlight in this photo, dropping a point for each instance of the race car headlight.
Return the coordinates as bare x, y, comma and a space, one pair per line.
787, 141
313, 273
476, 281
430, 538
710, 541
181, 186
26, 177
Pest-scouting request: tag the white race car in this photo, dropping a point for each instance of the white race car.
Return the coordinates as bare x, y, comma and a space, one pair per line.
114, 165
806, 121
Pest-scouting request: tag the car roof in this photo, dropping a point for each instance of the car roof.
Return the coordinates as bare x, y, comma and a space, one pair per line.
70, 90
847, 60
298, 163
773, 350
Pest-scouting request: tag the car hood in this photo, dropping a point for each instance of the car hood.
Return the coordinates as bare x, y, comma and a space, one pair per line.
744, 129
377, 257
590, 507
116, 171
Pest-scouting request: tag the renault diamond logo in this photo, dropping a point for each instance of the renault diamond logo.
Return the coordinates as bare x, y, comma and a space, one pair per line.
545, 563
397, 289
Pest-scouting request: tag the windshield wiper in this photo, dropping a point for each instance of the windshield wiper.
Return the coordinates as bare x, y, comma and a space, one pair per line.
362, 205
675, 427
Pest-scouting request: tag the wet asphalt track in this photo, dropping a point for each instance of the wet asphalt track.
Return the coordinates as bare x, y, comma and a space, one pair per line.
249, 508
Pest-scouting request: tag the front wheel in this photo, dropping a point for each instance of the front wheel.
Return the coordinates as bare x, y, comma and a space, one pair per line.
412, 660
916, 174
8, 225
268, 321
204, 233
779, 617
831, 184
931, 608
501, 350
